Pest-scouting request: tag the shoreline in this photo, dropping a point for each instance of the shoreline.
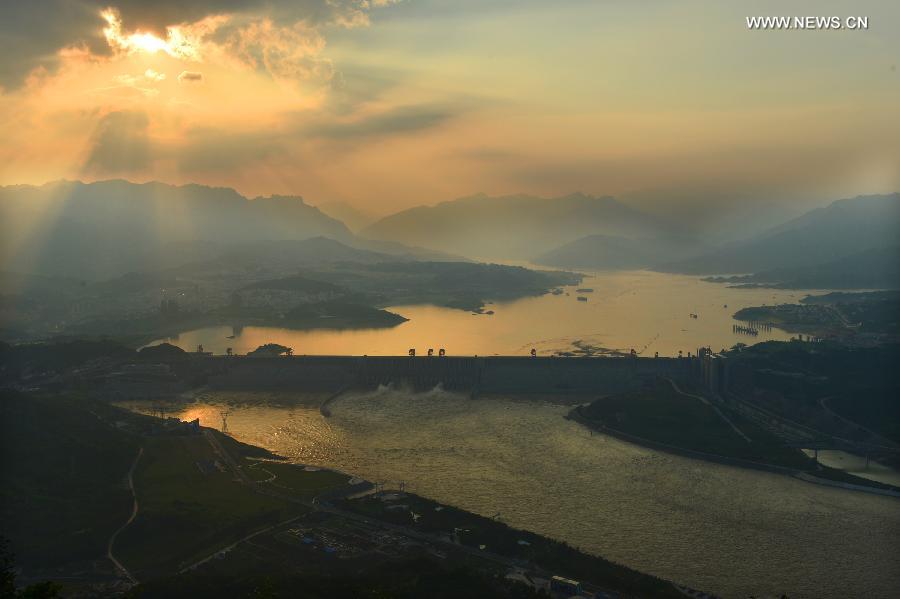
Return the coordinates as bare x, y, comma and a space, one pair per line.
576, 415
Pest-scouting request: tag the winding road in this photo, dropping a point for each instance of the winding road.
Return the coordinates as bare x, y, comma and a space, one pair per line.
134, 512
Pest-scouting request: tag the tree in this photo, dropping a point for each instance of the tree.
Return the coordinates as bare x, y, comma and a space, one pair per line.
7, 574
40, 590
271, 350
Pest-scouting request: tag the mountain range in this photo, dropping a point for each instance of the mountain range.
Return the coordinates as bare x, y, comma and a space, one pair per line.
516, 227
877, 268
821, 236
105, 229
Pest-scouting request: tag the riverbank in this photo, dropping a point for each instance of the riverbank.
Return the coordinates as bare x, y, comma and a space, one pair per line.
578, 415
671, 516
207, 500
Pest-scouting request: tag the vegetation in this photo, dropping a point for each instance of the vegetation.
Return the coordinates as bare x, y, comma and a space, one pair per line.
313, 283
295, 480
463, 285
794, 317
339, 315
244, 574
63, 490
61, 482
861, 384
661, 414
297, 283
491, 535
163, 352
847, 316
8, 587
25, 360
190, 505
271, 350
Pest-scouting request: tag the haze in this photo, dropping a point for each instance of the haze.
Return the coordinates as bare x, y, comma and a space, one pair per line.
674, 107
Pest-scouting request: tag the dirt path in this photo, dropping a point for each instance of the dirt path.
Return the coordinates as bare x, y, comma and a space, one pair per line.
134, 513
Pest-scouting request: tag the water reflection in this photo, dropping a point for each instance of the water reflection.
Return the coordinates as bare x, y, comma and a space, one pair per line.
646, 311
727, 530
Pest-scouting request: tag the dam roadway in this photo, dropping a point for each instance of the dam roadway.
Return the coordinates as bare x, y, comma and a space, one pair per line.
473, 375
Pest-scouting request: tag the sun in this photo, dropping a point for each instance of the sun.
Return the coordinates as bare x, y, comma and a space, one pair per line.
177, 44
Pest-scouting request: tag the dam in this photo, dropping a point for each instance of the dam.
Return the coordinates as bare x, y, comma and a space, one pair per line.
475, 375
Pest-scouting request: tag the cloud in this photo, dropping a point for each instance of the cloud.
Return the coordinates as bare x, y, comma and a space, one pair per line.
284, 52
206, 150
183, 41
279, 35
121, 145
190, 77
32, 33
403, 119
152, 75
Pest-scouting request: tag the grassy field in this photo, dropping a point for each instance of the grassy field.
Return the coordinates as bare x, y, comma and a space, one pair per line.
62, 479
293, 479
190, 504
246, 573
660, 414
63, 485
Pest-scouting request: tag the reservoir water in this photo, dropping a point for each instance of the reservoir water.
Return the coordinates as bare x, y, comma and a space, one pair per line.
641, 310
722, 529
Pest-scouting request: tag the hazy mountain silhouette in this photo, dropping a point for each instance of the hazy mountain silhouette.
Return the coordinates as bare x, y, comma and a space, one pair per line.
840, 229
871, 269
606, 252
104, 229
355, 218
95, 230
514, 227
291, 253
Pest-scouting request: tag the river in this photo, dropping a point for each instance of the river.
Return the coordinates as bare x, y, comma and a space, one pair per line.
641, 310
722, 529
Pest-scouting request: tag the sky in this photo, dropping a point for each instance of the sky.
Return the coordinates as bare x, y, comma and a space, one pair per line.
674, 106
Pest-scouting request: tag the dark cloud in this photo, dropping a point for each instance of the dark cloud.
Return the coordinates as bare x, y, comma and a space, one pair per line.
33, 31
392, 122
190, 77
121, 145
158, 14
208, 150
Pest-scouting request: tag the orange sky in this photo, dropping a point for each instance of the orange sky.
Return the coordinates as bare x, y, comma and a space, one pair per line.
390, 104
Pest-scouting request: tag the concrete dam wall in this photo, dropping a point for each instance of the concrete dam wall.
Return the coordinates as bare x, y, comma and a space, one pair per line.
494, 374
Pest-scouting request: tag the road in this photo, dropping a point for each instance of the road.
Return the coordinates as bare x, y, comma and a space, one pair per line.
879, 442
717, 410
134, 513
